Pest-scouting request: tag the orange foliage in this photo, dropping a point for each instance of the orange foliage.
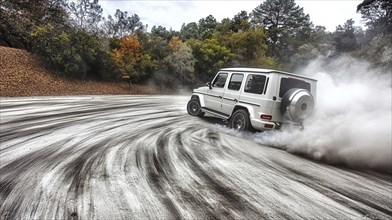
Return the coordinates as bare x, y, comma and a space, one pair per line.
128, 54
175, 44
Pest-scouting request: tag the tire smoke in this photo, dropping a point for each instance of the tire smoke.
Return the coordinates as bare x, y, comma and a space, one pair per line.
352, 122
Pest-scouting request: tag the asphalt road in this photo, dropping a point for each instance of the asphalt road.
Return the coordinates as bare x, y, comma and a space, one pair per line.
144, 157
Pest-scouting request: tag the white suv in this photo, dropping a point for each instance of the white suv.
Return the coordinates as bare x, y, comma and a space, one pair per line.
253, 98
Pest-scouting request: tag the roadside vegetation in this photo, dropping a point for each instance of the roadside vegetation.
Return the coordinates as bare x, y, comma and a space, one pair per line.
75, 40
22, 74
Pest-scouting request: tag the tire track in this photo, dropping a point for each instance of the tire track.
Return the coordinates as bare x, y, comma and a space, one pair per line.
143, 157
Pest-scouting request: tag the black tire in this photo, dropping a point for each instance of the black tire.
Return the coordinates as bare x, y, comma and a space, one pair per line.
193, 107
297, 105
240, 121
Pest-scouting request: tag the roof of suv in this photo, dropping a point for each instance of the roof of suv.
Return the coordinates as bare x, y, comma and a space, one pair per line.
259, 70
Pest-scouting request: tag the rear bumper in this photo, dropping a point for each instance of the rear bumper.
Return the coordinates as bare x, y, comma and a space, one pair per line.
271, 125
264, 125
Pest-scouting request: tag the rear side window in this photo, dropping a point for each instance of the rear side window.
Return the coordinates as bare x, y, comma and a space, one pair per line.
289, 83
236, 81
220, 80
255, 84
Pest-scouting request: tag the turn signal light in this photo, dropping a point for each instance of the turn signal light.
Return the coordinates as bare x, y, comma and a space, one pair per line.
266, 117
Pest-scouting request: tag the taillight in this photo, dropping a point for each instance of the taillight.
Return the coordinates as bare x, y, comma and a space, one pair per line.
268, 126
266, 117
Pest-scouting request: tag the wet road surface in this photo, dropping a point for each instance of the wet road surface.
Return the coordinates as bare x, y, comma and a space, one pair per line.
144, 157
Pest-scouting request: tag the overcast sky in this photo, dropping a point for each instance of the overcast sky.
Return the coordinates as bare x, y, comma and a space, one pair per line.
172, 14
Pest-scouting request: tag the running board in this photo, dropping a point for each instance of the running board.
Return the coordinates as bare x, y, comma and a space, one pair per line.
215, 113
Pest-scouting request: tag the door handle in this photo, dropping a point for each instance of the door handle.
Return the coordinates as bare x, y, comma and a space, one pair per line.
220, 97
235, 100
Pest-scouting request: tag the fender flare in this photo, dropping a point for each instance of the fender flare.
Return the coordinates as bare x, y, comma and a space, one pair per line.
200, 97
248, 107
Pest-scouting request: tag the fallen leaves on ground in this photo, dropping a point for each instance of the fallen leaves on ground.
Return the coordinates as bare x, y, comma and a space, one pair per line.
24, 74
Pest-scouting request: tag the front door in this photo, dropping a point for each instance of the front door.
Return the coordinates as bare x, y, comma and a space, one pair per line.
213, 100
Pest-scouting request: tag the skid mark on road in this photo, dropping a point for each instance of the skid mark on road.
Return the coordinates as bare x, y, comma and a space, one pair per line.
143, 157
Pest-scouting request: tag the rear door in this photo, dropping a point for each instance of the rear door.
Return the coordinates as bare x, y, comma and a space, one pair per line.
232, 92
286, 83
255, 93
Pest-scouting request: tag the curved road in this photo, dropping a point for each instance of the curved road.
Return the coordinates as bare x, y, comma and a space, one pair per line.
144, 157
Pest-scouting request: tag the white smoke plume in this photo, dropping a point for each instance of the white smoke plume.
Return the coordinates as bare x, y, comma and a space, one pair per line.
352, 122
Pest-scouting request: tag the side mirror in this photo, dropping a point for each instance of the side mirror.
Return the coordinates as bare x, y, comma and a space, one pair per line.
209, 85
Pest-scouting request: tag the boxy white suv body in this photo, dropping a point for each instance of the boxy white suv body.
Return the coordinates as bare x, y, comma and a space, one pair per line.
252, 98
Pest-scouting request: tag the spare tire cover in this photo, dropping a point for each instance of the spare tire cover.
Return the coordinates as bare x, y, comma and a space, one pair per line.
297, 104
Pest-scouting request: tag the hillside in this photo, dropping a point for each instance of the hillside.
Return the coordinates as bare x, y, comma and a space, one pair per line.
23, 74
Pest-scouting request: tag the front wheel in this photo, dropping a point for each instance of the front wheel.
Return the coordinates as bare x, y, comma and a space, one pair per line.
194, 108
240, 120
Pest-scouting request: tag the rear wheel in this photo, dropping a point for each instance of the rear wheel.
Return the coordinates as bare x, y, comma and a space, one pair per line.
194, 108
240, 120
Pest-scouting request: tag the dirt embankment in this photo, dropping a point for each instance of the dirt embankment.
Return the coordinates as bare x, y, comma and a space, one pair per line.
23, 74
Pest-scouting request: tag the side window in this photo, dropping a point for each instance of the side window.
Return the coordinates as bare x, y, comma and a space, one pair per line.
236, 81
220, 80
255, 84
288, 83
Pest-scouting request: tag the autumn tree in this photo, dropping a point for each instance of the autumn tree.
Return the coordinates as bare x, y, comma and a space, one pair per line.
129, 59
175, 44
127, 55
